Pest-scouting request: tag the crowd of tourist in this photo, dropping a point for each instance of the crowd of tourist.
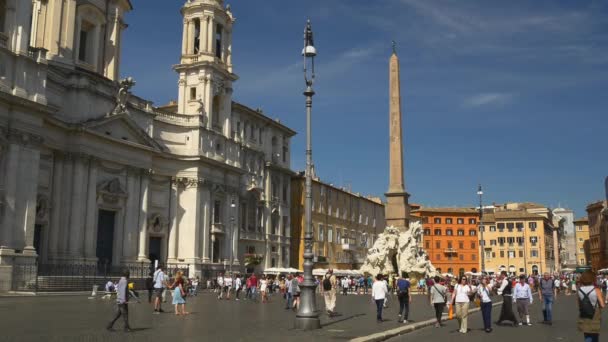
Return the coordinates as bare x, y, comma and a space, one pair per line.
455, 295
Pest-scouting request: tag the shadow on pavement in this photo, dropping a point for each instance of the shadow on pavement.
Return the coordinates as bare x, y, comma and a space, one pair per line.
334, 321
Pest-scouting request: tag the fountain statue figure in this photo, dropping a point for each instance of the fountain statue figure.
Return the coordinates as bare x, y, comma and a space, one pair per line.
399, 249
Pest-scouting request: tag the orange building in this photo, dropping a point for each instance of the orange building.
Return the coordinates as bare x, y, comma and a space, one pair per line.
450, 238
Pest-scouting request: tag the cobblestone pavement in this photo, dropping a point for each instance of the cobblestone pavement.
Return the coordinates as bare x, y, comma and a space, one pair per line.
76, 318
565, 313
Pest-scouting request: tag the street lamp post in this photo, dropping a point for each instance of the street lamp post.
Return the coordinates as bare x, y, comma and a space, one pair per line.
481, 229
307, 317
232, 207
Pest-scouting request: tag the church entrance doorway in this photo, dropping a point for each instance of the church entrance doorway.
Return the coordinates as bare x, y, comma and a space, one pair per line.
38, 239
105, 236
154, 245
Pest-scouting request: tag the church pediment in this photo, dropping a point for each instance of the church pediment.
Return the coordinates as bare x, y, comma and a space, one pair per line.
122, 127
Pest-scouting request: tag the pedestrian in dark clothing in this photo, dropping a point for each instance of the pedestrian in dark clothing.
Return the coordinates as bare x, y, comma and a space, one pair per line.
122, 308
505, 289
150, 286
405, 298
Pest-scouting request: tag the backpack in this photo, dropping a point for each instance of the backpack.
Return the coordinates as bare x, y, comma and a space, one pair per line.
326, 284
405, 292
586, 309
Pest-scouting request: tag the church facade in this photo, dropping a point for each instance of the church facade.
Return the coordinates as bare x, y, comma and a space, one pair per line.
93, 174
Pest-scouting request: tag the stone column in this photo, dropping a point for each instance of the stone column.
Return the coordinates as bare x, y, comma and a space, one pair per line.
29, 170
119, 233
190, 37
91, 218
227, 228
66, 204
131, 217
229, 51
68, 27
96, 47
173, 231
76, 244
206, 199
143, 217
185, 38
211, 36
10, 196
55, 226
203, 35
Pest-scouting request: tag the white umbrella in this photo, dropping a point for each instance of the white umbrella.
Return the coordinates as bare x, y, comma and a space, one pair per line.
319, 272
272, 270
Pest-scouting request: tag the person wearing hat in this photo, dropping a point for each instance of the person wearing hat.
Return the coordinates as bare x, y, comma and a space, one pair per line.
329, 291
522, 295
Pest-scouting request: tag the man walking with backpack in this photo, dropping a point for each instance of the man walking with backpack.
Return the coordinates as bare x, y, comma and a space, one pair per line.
329, 292
405, 298
547, 294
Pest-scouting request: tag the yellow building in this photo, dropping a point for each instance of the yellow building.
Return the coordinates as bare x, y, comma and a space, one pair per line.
345, 224
517, 241
581, 235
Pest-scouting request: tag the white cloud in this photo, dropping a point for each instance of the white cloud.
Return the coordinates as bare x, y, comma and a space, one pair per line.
487, 99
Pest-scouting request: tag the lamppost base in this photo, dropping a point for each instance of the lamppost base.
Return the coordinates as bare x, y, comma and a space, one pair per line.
308, 323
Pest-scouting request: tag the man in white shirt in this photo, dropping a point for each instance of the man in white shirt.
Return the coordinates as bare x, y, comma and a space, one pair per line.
345, 285
522, 295
227, 285
160, 282
238, 285
379, 294
220, 286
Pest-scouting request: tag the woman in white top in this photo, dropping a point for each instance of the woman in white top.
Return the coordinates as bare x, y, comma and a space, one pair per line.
460, 296
263, 287
379, 293
483, 291
590, 304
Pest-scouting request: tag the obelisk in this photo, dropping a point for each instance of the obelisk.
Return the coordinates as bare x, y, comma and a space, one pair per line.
397, 209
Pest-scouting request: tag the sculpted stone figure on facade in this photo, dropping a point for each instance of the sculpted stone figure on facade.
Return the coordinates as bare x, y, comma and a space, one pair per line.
122, 97
395, 248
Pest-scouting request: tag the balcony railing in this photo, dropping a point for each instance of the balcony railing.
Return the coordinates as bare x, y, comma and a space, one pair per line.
450, 251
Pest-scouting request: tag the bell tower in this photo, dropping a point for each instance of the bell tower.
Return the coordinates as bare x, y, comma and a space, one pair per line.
205, 69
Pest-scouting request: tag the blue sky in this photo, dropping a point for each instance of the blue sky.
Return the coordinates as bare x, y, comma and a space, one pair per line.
509, 94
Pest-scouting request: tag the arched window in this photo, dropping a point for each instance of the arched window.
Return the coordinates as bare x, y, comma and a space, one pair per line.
461, 272
215, 112
197, 35
89, 23
450, 270
474, 270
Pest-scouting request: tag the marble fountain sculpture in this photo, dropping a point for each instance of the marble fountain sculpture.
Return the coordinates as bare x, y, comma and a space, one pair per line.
399, 249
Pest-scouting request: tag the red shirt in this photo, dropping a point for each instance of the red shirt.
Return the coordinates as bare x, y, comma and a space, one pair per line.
253, 281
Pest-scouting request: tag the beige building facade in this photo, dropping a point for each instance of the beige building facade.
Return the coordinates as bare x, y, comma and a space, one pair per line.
581, 233
345, 224
597, 213
93, 174
518, 242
